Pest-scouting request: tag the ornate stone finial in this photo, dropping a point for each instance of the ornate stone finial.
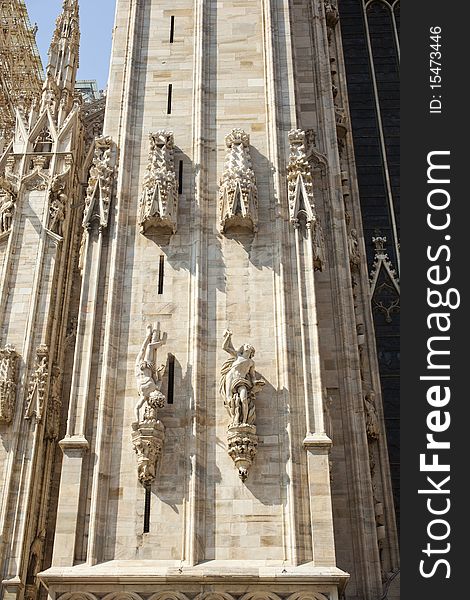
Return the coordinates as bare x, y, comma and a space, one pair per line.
300, 191
239, 385
381, 259
300, 178
384, 282
148, 432
159, 200
7, 205
62, 67
379, 242
238, 193
8, 381
38, 384
100, 183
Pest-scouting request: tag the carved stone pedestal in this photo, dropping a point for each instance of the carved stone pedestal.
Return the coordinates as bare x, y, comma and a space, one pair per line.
242, 444
147, 441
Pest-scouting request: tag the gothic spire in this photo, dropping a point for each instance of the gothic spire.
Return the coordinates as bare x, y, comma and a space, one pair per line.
63, 55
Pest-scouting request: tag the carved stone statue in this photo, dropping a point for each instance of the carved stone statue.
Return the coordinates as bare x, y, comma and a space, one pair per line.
57, 205
8, 380
319, 246
238, 387
238, 382
7, 205
372, 419
148, 432
354, 254
331, 14
54, 405
149, 378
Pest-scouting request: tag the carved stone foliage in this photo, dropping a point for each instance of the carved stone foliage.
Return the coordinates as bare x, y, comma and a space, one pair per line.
197, 595
147, 441
148, 432
38, 384
7, 205
238, 387
238, 193
242, 446
302, 159
38, 177
57, 205
159, 200
100, 183
8, 381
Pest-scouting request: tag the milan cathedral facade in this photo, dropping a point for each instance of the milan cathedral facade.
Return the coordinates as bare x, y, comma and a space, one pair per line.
191, 400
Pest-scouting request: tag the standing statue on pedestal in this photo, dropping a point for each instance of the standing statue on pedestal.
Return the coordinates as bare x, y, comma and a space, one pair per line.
238, 382
148, 431
149, 378
238, 387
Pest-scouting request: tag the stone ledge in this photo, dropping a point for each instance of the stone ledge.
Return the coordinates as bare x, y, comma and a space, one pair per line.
317, 441
153, 573
75, 442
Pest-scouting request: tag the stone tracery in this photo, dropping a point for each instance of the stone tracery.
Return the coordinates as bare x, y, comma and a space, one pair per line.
100, 183
300, 186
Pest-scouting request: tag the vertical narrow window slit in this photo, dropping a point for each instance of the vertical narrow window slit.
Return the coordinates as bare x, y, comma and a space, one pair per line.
172, 28
161, 274
171, 378
170, 93
180, 178
148, 499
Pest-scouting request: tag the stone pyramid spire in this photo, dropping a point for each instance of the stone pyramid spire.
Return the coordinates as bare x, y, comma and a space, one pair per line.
63, 55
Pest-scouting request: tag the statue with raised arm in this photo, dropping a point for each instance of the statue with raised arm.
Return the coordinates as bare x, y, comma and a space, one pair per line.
238, 387
238, 382
149, 378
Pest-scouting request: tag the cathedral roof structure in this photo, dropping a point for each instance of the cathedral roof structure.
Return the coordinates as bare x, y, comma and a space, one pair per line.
20, 64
